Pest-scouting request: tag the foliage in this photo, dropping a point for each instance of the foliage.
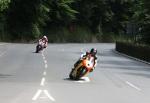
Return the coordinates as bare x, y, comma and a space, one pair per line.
122, 10
94, 13
4, 4
27, 19
146, 23
61, 12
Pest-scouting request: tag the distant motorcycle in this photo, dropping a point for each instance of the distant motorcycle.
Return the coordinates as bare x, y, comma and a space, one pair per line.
82, 68
39, 47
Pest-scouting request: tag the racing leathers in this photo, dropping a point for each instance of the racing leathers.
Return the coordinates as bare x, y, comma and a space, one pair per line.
83, 56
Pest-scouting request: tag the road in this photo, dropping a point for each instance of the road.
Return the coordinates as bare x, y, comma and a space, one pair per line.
28, 77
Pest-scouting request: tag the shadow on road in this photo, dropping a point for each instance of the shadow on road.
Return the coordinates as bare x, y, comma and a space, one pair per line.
145, 75
68, 79
126, 67
115, 61
5, 75
36, 52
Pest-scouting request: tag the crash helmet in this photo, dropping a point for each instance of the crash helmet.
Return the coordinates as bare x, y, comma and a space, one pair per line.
45, 37
93, 51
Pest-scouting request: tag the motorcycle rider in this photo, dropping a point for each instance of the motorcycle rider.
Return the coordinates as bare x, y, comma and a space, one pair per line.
93, 53
44, 40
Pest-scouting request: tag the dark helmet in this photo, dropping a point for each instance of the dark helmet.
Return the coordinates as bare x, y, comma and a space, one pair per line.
93, 51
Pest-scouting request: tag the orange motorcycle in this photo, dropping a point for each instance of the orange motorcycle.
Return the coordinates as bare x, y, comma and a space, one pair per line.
84, 66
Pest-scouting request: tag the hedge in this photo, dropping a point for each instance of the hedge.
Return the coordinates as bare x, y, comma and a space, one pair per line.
137, 51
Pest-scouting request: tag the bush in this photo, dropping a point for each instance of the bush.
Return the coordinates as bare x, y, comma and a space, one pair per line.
63, 35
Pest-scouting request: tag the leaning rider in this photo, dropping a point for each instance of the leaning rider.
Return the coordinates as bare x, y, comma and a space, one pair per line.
44, 40
93, 53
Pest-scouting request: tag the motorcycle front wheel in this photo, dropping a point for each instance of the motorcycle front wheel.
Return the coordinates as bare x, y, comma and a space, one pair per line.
81, 72
38, 48
71, 75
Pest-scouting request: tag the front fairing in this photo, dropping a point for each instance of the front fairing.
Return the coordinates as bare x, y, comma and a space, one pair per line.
88, 62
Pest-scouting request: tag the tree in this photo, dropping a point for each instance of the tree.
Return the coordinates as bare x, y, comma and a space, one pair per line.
101, 15
25, 18
142, 18
4, 4
122, 10
61, 12
146, 23
93, 13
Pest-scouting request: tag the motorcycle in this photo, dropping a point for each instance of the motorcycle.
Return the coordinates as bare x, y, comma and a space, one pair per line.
84, 67
39, 47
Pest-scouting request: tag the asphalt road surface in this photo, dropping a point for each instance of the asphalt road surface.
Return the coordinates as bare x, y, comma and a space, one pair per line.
28, 77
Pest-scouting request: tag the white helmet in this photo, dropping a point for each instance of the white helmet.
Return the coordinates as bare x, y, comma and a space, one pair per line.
44, 37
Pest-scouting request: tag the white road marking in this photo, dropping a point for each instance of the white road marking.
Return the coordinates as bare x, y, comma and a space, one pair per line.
43, 97
49, 96
44, 73
46, 66
44, 57
42, 84
130, 84
45, 61
42, 81
42, 53
37, 95
84, 80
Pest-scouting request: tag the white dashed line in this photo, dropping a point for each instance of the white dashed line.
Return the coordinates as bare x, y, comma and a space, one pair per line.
130, 84
43, 57
45, 61
37, 95
44, 73
47, 95
42, 81
46, 66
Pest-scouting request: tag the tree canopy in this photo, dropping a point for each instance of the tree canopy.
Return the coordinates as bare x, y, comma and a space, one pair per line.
26, 19
4, 4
